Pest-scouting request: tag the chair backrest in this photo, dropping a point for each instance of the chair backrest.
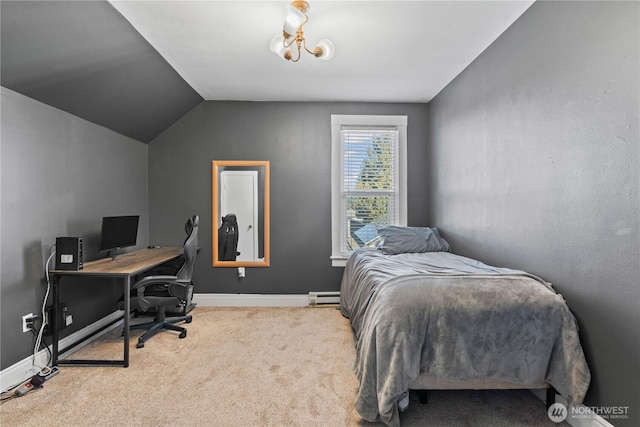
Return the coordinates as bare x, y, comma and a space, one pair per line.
190, 249
228, 236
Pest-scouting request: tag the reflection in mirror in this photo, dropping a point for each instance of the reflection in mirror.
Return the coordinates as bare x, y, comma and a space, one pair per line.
240, 206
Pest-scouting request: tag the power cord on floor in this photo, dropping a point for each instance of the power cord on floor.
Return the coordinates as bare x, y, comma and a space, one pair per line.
20, 389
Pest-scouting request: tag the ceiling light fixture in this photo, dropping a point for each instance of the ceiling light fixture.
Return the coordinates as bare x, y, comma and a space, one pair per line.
292, 37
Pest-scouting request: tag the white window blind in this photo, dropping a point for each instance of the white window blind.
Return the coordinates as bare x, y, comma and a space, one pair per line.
369, 184
368, 176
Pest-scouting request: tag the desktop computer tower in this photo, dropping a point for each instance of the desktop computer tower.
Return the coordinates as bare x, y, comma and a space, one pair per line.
69, 253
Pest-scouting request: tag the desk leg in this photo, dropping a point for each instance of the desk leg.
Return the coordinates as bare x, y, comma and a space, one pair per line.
127, 317
53, 324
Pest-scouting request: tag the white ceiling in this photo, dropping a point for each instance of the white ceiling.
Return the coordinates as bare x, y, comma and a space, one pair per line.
386, 51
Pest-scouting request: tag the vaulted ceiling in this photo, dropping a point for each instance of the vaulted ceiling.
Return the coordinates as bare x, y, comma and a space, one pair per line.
85, 58
138, 66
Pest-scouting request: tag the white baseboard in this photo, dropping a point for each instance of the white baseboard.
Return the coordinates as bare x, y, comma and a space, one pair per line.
24, 369
250, 300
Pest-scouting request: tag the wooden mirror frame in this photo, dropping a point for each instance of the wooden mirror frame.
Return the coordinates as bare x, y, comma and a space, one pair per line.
217, 167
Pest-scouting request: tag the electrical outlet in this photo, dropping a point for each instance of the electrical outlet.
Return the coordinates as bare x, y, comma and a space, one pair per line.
27, 320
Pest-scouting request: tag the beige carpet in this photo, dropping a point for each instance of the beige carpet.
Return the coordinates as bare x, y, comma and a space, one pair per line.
243, 367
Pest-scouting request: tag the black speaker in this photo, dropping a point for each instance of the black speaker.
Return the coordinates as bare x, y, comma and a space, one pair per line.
69, 253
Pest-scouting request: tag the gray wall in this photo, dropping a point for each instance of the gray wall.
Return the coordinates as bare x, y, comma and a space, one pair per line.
296, 139
534, 165
60, 175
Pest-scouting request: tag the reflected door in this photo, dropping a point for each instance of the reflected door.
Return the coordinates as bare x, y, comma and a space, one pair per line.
239, 196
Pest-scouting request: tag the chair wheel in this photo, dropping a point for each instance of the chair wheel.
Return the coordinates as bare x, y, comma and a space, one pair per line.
140, 345
189, 320
183, 334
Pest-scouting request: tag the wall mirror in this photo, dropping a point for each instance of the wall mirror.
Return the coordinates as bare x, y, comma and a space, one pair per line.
240, 207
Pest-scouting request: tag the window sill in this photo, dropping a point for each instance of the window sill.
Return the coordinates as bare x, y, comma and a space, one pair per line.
338, 261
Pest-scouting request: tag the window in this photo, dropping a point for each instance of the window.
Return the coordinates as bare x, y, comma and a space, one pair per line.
368, 180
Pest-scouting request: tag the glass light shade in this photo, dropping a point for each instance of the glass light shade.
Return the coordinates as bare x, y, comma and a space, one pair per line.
328, 49
294, 19
276, 46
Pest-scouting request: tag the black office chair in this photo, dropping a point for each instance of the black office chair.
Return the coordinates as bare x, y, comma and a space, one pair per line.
161, 291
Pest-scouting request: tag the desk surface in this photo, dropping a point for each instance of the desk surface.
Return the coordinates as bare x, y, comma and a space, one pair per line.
128, 264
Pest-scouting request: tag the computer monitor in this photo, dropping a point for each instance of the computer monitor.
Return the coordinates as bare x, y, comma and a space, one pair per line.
118, 232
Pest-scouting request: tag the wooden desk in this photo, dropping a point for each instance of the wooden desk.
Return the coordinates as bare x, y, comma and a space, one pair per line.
123, 267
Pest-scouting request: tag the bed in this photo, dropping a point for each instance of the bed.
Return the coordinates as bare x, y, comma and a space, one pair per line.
425, 318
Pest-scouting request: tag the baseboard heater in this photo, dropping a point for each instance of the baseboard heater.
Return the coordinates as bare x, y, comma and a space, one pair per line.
318, 298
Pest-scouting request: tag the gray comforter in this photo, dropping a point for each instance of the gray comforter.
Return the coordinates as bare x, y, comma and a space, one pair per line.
456, 318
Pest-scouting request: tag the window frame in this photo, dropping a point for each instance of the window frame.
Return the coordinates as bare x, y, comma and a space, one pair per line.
338, 121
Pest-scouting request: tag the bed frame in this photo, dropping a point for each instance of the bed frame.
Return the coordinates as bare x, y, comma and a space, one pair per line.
424, 383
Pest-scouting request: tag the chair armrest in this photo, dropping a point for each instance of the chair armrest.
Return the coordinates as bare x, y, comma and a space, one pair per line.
179, 289
154, 280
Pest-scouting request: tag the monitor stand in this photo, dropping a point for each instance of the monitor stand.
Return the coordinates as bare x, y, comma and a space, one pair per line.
112, 253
